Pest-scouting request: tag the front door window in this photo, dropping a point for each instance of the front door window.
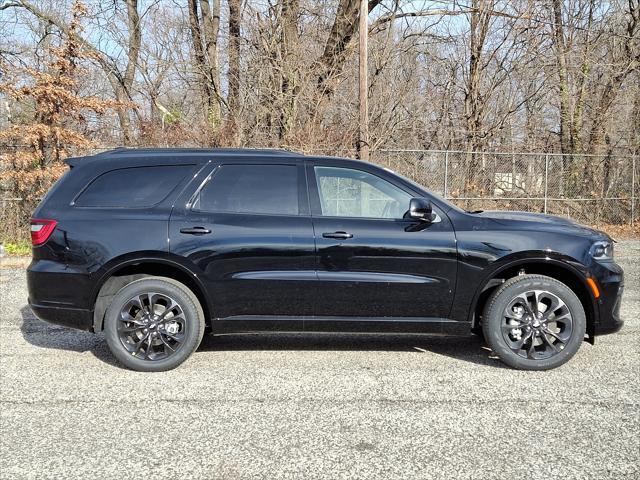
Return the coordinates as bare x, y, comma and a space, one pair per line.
353, 193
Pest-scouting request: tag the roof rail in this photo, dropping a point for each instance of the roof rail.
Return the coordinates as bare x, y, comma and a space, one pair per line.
226, 151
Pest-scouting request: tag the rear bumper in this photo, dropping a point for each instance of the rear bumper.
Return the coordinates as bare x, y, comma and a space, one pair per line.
59, 294
68, 317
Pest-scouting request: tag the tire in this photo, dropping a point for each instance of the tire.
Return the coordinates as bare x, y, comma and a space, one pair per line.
156, 339
550, 334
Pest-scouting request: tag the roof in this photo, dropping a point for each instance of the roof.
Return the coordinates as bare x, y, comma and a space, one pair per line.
183, 152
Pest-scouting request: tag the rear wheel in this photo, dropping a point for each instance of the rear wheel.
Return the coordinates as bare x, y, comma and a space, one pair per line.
154, 324
534, 322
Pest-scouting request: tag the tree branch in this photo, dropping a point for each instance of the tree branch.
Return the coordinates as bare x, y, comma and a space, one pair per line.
379, 24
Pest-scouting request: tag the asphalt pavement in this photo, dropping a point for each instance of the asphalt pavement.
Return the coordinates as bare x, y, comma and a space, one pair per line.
315, 406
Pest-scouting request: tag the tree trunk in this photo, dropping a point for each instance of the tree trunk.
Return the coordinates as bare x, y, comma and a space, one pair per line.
335, 52
198, 53
578, 112
289, 72
480, 19
563, 78
122, 95
135, 39
204, 27
210, 30
363, 83
233, 98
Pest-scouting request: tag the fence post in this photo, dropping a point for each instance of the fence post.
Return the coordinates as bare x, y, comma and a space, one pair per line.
446, 172
546, 181
633, 190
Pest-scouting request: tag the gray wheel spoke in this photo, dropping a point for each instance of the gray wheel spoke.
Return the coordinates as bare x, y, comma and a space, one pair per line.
149, 348
532, 348
562, 318
525, 303
554, 306
166, 344
517, 346
176, 318
556, 336
537, 300
509, 314
125, 316
131, 329
139, 302
140, 341
172, 307
549, 342
138, 344
177, 337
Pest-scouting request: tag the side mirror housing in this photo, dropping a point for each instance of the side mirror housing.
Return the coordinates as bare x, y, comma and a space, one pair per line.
420, 209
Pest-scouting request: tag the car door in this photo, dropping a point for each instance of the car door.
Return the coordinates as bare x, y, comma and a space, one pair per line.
247, 231
372, 262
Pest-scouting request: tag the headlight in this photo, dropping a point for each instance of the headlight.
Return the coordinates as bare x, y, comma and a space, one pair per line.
602, 250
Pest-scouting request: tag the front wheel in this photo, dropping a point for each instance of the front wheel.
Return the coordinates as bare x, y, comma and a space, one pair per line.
154, 324
534, 322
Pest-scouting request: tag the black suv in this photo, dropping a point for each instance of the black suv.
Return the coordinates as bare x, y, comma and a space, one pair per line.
156, 246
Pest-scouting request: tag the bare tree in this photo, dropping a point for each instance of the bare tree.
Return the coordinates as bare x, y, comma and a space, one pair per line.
121, 81
558, 75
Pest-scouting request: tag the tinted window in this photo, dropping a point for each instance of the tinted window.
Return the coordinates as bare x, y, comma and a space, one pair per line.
133, 187
271, 189
353, 193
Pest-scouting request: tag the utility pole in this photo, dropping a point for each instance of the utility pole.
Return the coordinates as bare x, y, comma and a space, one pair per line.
363, 82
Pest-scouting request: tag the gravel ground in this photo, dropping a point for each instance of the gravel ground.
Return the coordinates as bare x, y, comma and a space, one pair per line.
316, 406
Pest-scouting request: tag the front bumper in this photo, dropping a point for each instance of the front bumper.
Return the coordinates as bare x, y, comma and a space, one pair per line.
610, 278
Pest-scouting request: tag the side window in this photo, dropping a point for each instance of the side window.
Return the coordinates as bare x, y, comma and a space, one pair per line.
132, 187
262, 189
353, 193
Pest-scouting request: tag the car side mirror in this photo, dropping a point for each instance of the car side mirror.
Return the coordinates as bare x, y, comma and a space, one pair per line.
420, 209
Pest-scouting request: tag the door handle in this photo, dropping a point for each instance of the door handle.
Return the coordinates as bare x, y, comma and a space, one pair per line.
195, 231
338, 235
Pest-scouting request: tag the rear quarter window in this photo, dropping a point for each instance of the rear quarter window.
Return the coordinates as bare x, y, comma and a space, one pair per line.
133, 187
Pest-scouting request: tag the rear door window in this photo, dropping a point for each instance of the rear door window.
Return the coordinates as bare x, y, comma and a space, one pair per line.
259, 189
133, 187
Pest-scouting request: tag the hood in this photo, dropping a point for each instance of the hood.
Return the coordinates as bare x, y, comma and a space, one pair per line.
541, 221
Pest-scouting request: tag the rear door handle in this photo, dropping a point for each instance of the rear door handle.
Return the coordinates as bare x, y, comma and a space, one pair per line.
338, 235
195, 231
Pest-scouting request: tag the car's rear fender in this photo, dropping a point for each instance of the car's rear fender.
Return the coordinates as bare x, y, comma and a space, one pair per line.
123, 270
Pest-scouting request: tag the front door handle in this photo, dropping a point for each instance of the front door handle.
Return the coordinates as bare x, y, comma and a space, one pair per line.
195, 231
338, 235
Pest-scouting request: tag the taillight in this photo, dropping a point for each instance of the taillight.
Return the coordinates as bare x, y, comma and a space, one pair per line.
41, 230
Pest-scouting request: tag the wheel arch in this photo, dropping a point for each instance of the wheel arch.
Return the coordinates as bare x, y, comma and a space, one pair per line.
558, 269
123, 271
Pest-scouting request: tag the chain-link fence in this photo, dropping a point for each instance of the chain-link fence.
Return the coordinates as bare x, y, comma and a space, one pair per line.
591, 189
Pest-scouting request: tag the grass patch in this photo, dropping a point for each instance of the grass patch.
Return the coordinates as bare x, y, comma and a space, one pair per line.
20, 249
